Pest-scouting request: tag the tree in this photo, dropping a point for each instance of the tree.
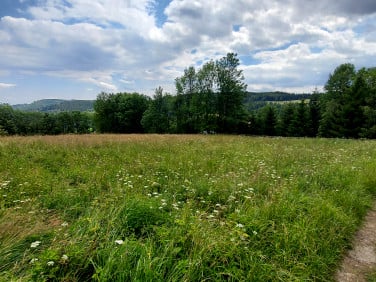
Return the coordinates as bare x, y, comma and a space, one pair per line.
352, 110
300, 122
334, 109
285, 126
120, 113
314, 114
369, 110
231, 93
268, 120
341, 80
185, 89
158, 118
205, 100
7, 120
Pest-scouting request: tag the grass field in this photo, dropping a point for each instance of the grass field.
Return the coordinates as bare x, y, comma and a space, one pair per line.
180, 208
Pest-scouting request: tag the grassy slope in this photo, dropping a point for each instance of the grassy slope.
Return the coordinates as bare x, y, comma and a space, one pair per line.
187, 208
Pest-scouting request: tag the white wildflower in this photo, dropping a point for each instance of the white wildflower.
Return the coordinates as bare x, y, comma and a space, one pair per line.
50, 263
239, 225
35, 244
119, 242
64, 257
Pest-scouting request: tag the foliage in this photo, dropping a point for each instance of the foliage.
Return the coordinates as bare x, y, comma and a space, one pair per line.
211, 99
158, 118
120, 113
180, 207
15, 122
347, 105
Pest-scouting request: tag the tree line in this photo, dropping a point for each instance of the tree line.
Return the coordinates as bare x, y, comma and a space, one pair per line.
16, 122
213, 99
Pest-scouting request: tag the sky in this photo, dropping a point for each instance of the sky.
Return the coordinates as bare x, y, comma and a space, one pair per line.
75, 49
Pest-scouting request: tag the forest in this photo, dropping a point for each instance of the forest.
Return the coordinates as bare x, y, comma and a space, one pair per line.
214, 99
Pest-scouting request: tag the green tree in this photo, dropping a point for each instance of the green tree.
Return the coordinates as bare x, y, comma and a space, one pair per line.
314, 114
120, 113
334, 109
205, 99
301, 122
352, 110
231, 93
7, 120
369, 110
159, 118
340, 81
185, 89
268, 120
285, 125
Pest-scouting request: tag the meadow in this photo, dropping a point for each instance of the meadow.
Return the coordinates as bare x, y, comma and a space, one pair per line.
180, 207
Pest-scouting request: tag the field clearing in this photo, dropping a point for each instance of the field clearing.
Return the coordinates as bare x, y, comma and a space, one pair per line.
180, 207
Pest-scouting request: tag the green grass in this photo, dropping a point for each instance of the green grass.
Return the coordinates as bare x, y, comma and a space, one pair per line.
180, 208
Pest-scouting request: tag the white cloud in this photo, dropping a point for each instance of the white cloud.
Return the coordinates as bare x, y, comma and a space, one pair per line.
6, 85
112, 44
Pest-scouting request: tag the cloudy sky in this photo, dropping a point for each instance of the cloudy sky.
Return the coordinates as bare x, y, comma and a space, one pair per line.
74, 49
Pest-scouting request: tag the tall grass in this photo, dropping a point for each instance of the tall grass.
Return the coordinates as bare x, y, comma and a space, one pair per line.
180, 208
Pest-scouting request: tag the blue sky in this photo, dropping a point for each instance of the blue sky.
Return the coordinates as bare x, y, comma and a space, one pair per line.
75, 49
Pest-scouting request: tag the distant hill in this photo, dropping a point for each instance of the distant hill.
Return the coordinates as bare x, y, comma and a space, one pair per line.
256, 100
253, 100
276, 96
56, 105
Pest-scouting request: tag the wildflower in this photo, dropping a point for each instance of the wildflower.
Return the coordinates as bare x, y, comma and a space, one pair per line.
50, 263
240, 225
155, 185
64, 257
119, 242
35, 244
254, 232
33, 260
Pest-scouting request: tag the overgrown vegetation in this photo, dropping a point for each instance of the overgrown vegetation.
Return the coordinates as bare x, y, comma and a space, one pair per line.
180, 207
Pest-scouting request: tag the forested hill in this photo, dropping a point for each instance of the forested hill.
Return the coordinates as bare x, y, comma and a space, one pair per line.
257, 100
56, 105
59, 105
276, 96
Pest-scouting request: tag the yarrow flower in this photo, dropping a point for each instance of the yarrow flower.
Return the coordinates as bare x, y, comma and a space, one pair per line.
119, 242
64, 257
35, 244
33, 260
50, 263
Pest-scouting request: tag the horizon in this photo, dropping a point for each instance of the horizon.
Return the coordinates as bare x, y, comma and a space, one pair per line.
69, 100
